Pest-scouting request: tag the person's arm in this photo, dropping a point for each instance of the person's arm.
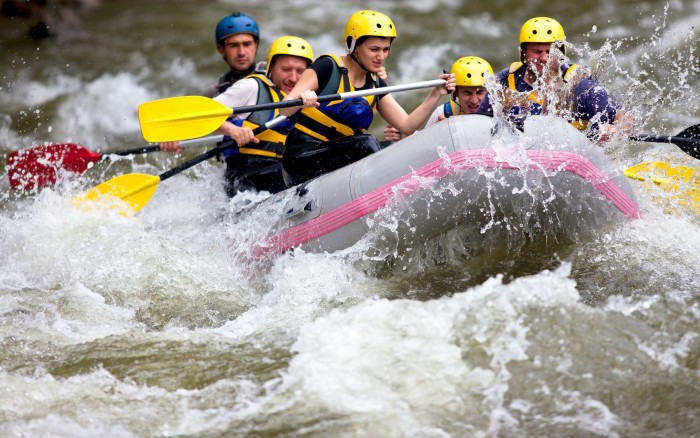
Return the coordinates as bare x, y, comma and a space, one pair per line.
171, 146
381, 74
391, 134
407, 124
437, 116
622, 124
305, 89
242, 135
242, 93
604, 113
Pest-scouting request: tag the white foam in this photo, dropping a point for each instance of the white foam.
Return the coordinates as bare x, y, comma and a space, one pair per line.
296, 296
106, 106
30, 93
402, 359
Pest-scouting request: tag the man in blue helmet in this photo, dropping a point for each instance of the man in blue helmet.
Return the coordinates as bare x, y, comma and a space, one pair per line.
256, 164
237, 36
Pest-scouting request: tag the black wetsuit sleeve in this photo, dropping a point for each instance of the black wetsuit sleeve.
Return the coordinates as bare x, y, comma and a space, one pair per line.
323, 67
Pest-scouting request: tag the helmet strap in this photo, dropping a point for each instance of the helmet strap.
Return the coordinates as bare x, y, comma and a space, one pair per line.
354, 58
270, 66
350, 45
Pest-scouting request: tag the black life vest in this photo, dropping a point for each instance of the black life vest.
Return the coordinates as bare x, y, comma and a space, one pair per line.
338, 118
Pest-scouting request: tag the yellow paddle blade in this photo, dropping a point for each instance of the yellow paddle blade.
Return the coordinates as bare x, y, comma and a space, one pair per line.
661, 173
652, 170
126, 193
681, 182
181, 118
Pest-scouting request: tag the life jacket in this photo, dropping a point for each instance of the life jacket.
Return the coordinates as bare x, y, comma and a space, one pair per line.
271, 140
338, 118
536, 100
451, 108
229, 78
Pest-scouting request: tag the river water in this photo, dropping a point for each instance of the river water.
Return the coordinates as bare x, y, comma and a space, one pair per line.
151, 326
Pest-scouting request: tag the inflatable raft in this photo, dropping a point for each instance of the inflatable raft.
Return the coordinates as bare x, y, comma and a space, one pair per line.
466, 174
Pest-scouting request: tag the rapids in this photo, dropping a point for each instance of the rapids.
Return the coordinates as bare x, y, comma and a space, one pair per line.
155, 325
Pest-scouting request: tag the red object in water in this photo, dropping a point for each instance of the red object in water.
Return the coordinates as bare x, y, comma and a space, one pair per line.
44, 165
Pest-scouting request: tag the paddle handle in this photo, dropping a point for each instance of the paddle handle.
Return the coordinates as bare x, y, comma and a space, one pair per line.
690, 146
340, 96
156, 147
217, 150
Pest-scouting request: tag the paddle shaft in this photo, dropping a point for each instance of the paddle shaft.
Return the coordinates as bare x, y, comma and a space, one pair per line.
156, 147
295, 102
688, 145
184, 117
339, 96
217, 150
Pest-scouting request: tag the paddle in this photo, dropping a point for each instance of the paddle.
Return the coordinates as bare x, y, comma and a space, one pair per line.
40, 166
664, 174
687, 140
136, 189
680, 179
178, 118
660, 172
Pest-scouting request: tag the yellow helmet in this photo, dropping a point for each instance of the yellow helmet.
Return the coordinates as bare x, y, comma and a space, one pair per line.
541, 30
470, 71
289, 45
367, 23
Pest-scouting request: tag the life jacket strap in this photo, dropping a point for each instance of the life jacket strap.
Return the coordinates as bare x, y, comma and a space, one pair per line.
330, 130
259, 152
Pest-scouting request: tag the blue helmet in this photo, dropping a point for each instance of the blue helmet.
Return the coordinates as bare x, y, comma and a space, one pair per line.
235, 23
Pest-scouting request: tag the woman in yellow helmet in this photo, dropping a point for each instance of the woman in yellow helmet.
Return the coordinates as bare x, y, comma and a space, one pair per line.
330, 135
532, 84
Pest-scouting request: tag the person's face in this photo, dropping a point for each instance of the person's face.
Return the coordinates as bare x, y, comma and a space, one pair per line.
286, 71
373, 52
537, 55
470, 97
239, 51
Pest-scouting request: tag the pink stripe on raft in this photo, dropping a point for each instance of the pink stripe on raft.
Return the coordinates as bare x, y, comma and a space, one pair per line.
439, 169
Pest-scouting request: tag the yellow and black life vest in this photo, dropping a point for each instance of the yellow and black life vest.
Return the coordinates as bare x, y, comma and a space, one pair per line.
451, 108
272, 140
536, 99
327, 121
